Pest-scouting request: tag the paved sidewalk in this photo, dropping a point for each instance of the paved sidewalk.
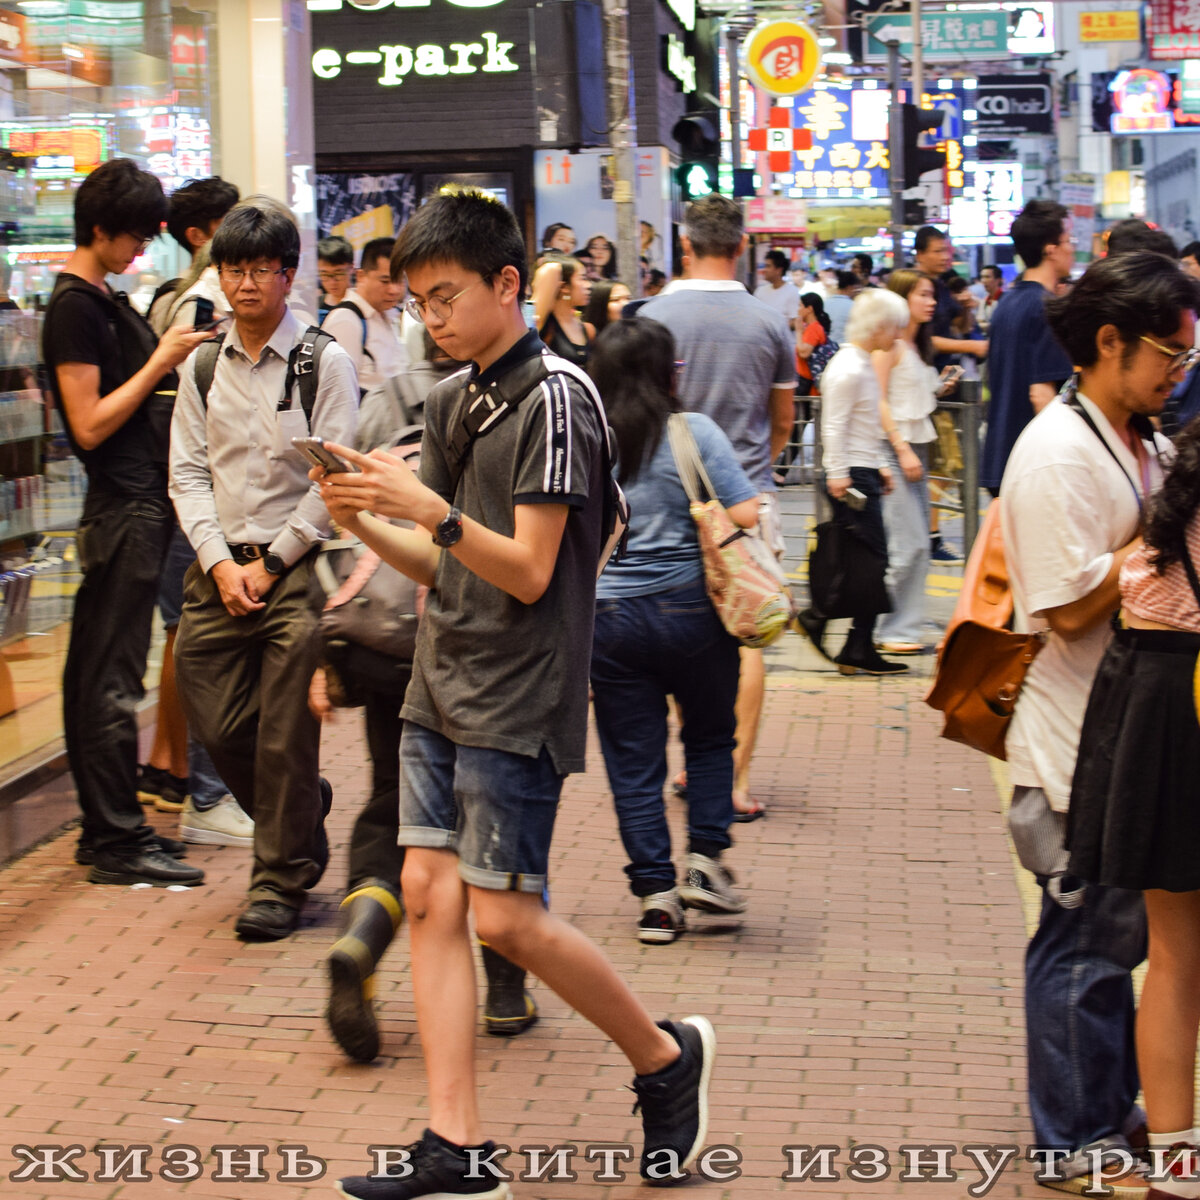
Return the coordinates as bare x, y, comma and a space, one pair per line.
872, 998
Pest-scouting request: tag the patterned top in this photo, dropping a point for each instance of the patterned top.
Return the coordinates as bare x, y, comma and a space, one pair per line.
1168, 598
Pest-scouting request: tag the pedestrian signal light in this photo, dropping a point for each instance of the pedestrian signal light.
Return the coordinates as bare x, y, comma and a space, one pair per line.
697, 179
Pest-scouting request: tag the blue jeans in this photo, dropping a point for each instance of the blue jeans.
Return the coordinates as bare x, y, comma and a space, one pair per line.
204, 784
493, 808
647, 648
1083, 1077
906, 520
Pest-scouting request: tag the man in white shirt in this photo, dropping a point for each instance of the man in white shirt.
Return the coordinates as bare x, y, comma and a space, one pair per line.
775, 289
194, 213
245, 650
1072, 496
363, 323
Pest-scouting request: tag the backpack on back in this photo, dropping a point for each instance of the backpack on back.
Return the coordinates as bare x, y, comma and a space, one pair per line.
981, 662
303, 366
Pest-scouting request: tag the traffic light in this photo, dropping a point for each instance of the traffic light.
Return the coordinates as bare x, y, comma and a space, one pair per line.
919, 159
700, 150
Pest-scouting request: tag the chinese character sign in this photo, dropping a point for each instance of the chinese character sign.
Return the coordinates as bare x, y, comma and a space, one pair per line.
839, 156
1174, 29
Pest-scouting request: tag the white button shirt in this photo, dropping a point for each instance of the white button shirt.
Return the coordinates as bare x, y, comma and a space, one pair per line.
385, 355
235, 476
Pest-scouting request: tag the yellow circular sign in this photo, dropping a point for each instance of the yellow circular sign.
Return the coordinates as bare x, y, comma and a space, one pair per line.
782, 57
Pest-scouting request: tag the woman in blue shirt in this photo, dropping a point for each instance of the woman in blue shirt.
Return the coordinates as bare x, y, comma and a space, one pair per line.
658, 635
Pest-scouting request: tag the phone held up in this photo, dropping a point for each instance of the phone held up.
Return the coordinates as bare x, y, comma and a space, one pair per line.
315, 450
205, 315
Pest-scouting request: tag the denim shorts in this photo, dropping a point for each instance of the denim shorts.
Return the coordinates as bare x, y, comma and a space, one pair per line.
180, 556
494, 809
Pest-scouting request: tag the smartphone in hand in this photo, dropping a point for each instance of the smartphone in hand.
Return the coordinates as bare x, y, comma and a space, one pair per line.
315, 450
205, 315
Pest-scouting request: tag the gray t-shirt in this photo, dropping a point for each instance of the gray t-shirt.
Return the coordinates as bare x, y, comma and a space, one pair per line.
736, 350
489, 670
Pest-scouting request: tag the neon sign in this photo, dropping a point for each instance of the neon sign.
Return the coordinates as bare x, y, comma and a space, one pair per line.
430, 60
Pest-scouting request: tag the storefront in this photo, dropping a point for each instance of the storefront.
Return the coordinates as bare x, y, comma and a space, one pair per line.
506, 94
81, 82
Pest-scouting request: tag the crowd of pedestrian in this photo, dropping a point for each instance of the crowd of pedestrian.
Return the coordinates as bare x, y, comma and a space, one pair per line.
470, 470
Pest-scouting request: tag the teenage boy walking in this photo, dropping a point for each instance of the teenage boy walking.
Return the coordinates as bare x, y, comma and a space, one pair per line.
496, 712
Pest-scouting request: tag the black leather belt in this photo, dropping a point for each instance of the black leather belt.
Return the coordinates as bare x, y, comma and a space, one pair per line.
244, 552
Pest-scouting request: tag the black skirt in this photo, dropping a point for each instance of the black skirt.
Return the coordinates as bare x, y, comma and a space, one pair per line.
1134, 820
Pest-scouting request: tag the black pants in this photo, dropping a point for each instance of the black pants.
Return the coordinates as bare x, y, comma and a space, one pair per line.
868, 524
121, 545
374, 853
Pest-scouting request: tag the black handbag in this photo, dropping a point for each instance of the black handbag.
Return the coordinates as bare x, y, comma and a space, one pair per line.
845, 575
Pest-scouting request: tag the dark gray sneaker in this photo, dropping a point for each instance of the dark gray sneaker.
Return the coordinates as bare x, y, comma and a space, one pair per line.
674, 1103
432, 1168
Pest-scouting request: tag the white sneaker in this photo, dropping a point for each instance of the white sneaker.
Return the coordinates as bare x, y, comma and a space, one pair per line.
225, 824
709, 886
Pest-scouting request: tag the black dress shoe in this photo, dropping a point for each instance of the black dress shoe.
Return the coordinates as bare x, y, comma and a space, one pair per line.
869, 661
813, 627
150, 866
85, 855
267, 921
326, 796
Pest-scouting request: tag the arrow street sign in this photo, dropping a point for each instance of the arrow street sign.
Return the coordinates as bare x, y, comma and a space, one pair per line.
945, 36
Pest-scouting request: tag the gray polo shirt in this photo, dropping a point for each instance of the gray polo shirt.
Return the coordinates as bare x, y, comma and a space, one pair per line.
736, 350
489, 670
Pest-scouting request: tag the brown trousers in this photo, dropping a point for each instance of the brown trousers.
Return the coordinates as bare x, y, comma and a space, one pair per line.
244, 682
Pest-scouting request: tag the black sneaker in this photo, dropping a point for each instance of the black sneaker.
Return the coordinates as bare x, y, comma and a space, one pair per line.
85, 855
160, 788
150, 866
433, 1167
674, 1103
662, 918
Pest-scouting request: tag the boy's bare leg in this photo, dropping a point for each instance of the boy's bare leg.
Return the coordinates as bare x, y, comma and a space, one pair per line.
519, 927
443, 975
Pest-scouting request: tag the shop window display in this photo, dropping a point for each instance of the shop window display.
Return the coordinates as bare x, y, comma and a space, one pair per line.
81, 82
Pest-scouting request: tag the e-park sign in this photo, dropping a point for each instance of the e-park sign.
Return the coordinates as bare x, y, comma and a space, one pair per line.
484, 52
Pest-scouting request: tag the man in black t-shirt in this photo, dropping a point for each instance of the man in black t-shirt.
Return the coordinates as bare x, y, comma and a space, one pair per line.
114, 386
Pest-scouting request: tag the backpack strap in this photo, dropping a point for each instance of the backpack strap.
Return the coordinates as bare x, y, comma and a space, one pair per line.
303, 368
207, 354
358, 312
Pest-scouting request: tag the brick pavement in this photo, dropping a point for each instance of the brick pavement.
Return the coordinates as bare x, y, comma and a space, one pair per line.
873, 996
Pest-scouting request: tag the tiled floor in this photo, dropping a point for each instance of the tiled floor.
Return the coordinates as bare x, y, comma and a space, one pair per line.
872, 998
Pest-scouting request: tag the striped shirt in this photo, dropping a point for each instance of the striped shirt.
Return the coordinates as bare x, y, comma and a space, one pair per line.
1168, 598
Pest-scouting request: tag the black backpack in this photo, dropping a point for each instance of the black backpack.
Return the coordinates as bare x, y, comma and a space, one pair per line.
358, 312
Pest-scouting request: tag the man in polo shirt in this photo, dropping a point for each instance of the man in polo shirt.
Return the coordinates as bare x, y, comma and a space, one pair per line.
362, 321
741, 371
934, 256
245, 650
1028, 364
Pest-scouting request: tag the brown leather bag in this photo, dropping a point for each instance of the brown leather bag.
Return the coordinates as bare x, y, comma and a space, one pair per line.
981, 662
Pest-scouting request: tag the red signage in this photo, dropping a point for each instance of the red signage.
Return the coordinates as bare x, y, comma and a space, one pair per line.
1174, 29
779, 140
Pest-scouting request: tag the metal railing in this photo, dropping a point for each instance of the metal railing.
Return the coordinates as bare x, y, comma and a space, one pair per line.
803, 456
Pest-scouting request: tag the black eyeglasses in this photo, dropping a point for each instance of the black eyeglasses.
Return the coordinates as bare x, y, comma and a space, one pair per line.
260, 275
440, 306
